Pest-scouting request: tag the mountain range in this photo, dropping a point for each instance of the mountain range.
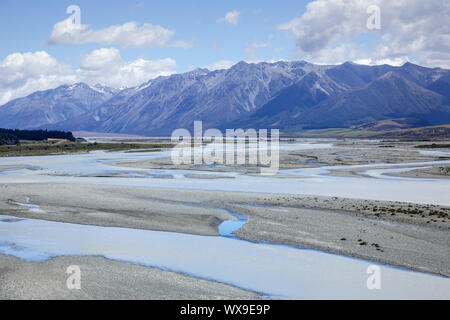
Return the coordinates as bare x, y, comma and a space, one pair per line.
44, 108
290, 96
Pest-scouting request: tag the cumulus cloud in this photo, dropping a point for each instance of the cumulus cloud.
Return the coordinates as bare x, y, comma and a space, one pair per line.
219, 65
329, 31
25, 73
101, 59
393, 62
106, 66
231, 17
128, 35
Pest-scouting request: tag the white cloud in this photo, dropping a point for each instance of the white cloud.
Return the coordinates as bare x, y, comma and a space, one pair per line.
101, 59
393, 62
128, 35
231, 17
25, 73
106, 66
219, 65
329, 31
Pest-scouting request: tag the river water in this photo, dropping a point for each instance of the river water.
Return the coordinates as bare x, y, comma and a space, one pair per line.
275, 271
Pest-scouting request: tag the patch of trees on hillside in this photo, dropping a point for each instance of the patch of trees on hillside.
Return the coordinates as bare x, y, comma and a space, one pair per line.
12, 136
9, 139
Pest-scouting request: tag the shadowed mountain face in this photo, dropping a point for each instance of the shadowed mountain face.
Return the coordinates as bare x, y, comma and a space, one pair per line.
442, 86
351, 95
390, 96
284, 95
167, 103
51, 106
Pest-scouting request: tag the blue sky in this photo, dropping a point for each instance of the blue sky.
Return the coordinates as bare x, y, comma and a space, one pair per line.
126, 43
28, 24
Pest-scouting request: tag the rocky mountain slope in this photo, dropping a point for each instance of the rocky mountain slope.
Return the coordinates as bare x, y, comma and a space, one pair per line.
52, 106
289, 96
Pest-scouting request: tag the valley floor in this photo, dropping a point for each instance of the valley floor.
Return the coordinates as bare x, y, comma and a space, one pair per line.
410, 234
105, 279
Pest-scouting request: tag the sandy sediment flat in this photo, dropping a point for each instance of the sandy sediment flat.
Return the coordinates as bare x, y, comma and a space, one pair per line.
105, 279
4, 168
402, 234
342, 153
207, 176
432, 171
435, 172
403, 245
139, 208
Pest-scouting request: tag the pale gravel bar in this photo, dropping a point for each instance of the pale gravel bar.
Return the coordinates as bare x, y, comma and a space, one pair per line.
103, 279
401, 234
345, 226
